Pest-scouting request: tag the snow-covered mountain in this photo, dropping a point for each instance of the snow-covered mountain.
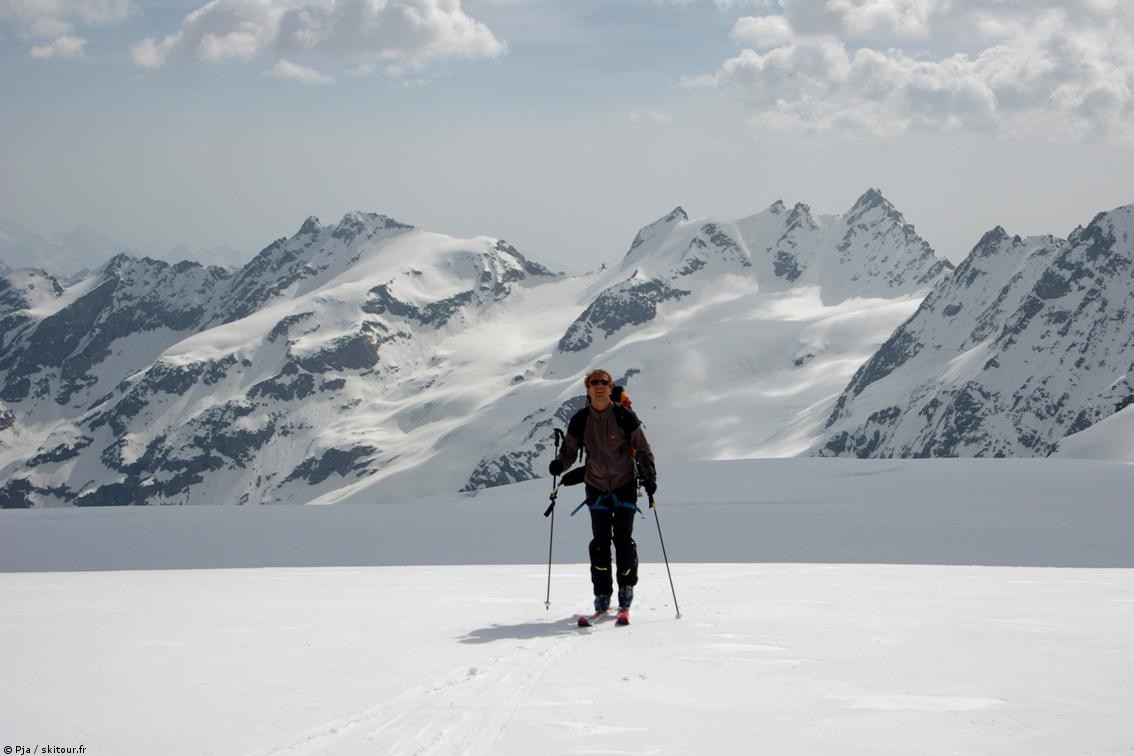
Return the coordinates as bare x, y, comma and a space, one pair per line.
1027, 342
738, 332
148, 382
374, 355
372, 360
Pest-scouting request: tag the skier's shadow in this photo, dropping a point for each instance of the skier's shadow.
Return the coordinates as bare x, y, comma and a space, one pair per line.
523, 631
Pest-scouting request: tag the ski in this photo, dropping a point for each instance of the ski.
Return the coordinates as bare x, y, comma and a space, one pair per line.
623, 617
590, 620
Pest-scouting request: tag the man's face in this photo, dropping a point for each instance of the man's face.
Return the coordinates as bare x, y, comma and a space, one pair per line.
598, 387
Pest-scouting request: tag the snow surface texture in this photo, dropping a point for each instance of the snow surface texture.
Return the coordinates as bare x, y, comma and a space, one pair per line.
771, 658
778, 659
374, 355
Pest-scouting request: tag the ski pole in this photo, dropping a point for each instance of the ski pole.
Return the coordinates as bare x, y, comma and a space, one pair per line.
550, 512
674, 592
550, 539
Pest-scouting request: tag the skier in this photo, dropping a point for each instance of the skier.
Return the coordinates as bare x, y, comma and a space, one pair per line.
612, 435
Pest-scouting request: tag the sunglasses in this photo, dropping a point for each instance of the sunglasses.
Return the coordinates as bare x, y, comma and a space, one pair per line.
598, 382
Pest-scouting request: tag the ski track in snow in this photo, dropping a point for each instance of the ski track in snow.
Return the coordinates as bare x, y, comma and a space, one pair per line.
463, 711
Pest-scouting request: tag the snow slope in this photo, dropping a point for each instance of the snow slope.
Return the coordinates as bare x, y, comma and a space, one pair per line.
926, 657
1111, 439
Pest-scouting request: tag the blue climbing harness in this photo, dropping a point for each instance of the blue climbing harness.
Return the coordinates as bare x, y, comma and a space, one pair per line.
600, 504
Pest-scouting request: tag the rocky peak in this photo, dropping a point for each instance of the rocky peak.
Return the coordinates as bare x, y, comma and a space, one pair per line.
1105, 229
870, 200
874, 209
990, 242
117, 264
125, 268
310, 227
358, 224
658, 227
527, 266
146, 272
800, 217
350, 227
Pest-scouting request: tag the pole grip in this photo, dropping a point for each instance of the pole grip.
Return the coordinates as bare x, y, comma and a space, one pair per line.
554, 478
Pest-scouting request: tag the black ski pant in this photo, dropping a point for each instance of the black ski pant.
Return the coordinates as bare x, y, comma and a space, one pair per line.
613, 524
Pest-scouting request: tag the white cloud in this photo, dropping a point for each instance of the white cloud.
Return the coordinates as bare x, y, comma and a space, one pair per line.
729, 5
903, 19
941, 20
762, 32
405, 35
294, 72
648, 115
50, 25
51, 15
63, 48
1054, 68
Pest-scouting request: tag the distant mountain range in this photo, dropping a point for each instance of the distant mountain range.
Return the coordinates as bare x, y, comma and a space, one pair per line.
68, 256
372, 357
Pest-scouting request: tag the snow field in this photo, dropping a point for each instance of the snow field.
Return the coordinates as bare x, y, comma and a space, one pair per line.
853, 659
830, 606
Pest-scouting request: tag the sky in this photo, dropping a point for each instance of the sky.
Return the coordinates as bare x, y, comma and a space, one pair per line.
562, 127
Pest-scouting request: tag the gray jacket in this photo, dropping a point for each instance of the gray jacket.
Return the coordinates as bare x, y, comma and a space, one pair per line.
610, 464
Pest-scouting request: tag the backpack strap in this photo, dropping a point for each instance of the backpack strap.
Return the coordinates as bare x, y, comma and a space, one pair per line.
577, 428
627, 420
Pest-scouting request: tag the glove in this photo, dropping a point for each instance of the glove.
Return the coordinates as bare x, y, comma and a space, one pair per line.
651, 487
556, 467
574, 477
